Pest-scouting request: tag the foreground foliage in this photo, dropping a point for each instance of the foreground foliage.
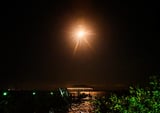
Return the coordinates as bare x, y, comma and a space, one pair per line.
138, 100
57, 101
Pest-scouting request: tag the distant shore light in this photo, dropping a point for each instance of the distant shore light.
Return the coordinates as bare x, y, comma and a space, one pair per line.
5, 93
34, 93
51, 93
80, 88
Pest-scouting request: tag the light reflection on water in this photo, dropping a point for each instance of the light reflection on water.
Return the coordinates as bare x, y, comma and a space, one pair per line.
85, 106
92, 93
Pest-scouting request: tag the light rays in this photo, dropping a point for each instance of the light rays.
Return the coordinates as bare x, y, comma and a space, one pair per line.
81, 36
76, 46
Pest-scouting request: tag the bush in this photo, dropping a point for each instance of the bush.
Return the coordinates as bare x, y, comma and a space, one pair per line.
35, 101
139, 100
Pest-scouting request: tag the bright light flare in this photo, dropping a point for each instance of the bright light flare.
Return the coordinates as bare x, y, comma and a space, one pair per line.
81, 35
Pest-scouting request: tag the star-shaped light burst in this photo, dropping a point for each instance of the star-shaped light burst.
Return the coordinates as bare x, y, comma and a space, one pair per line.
81, 35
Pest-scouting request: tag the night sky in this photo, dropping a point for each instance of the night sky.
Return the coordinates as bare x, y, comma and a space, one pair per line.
37, 51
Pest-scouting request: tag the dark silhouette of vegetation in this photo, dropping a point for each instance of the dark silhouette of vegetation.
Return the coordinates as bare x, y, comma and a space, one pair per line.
138, 100
57, 101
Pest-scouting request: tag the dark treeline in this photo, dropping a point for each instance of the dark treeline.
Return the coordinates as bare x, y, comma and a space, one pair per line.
57, 101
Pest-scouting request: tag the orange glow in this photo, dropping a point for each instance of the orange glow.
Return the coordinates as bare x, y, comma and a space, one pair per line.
81, 35
80, 88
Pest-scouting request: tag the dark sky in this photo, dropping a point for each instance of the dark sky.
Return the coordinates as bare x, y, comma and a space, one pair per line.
37, 51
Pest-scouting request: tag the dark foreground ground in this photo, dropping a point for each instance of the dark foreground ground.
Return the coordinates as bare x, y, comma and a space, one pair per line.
57, 101
34, 101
